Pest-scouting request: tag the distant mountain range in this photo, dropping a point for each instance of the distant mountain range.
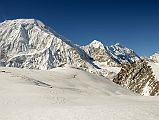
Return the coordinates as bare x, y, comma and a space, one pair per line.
28, 43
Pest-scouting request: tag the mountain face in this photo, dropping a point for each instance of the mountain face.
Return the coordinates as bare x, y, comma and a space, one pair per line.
155, 57
121, 54
138, 77
99, 53
28, 43
113, 55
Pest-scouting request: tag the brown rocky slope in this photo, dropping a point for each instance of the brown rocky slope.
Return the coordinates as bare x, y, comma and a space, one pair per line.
139, 78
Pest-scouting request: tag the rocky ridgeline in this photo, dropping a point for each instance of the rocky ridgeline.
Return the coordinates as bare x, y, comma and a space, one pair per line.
113, 55
139, 78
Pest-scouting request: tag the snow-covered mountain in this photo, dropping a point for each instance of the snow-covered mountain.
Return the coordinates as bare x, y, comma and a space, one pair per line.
68, 91
113, 55
122, 54
155, 57
28, 43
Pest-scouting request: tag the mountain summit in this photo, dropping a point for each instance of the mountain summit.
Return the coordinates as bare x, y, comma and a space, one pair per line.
112, 55
155, 57
29, 43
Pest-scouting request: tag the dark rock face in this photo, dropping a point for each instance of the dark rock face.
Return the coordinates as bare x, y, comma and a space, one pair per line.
139, 78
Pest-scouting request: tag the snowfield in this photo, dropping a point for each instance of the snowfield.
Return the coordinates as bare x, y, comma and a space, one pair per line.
155, 69
69, 94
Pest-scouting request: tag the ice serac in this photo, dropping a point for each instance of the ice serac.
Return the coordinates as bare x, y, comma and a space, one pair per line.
29, 43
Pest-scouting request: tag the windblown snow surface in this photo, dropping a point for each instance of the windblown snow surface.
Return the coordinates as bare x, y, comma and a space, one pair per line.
69, 94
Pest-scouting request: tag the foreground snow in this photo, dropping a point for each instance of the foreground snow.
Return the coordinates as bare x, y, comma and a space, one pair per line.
69, 94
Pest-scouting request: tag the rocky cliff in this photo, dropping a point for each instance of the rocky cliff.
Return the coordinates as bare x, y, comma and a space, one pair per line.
139, 78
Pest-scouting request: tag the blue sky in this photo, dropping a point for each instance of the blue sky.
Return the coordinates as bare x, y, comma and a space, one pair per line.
133, 23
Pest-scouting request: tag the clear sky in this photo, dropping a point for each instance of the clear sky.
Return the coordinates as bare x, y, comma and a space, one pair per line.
133, 23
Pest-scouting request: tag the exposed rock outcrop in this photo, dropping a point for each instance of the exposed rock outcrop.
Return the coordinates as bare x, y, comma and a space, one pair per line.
113, 55
139, 78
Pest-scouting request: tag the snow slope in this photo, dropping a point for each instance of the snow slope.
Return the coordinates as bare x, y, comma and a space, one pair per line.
154, 63
155, 69
69, 94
